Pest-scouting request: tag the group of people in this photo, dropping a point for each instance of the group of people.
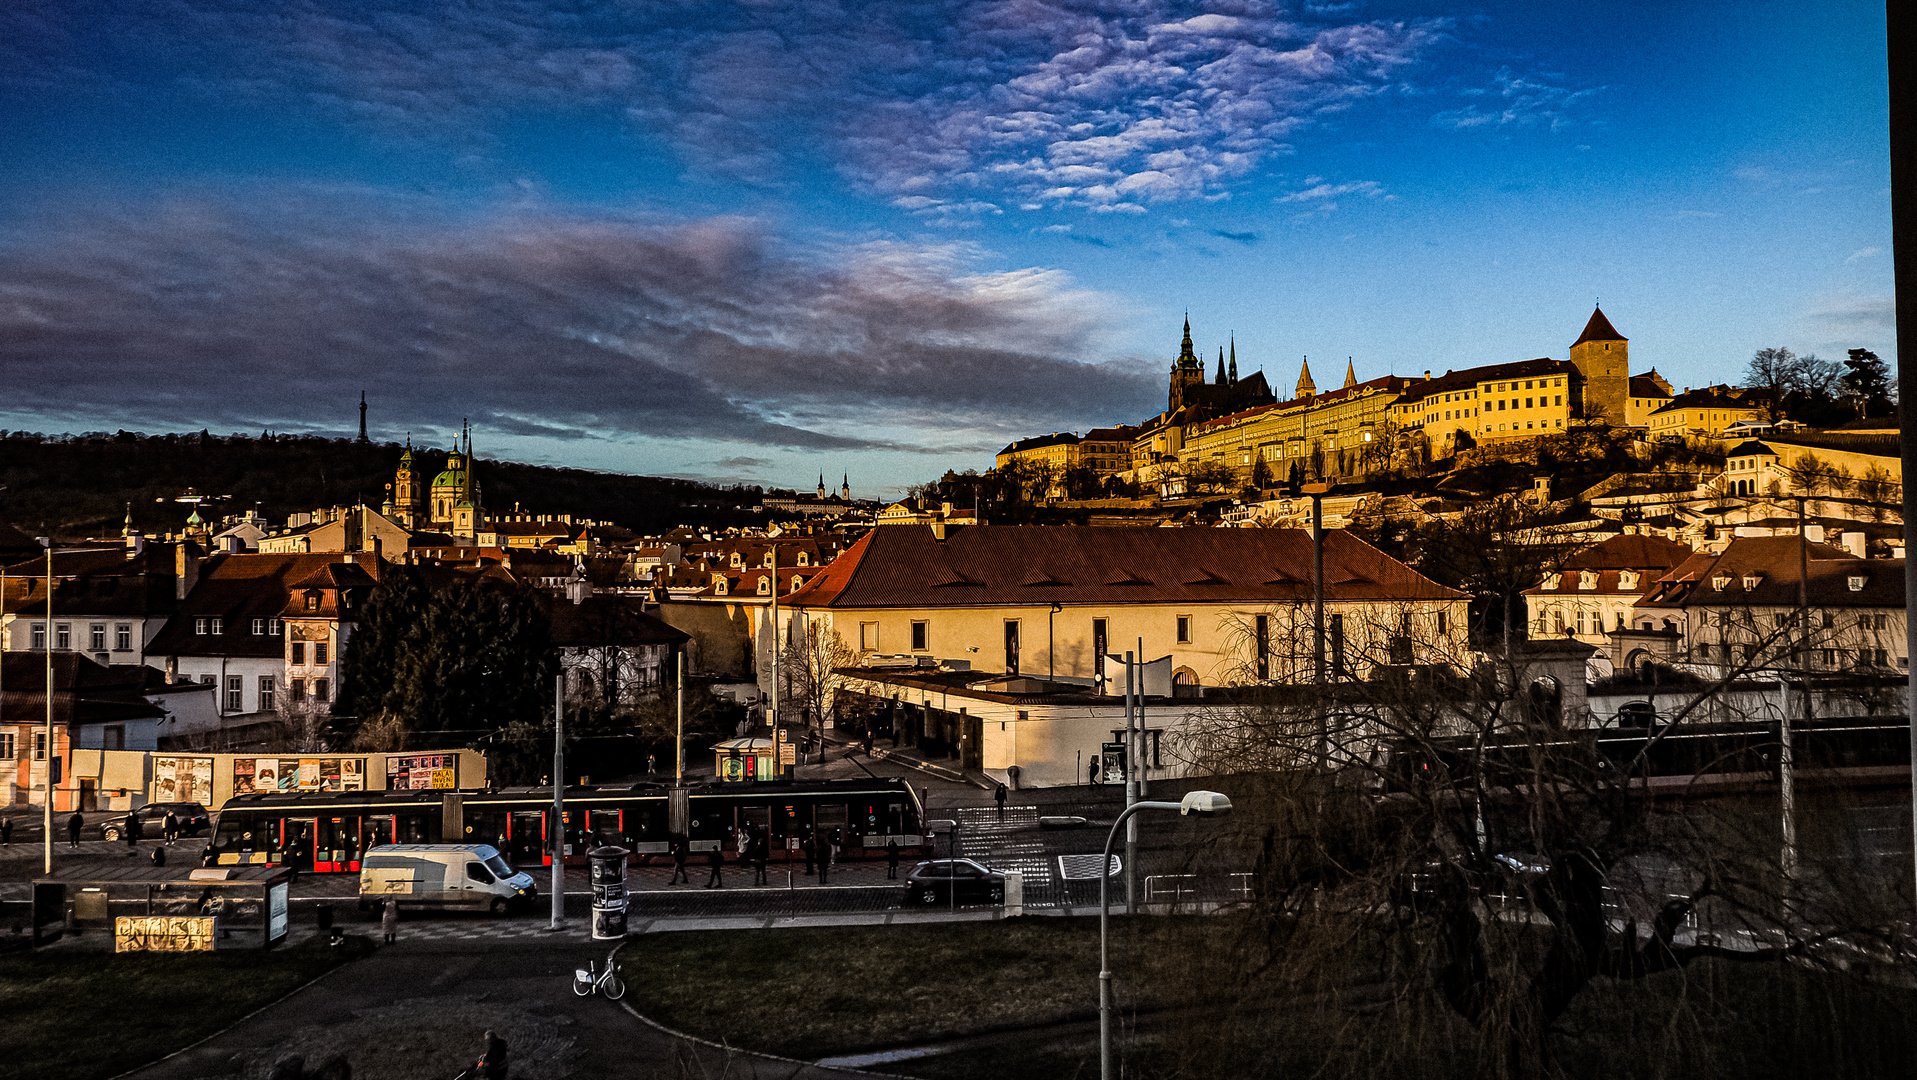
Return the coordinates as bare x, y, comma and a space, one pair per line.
754, 844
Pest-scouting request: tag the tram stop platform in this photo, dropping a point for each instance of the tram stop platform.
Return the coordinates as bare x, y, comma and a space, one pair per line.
163, 909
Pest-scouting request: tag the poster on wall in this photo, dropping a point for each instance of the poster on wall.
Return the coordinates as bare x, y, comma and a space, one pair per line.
309, 773
164, 785
193, 779
257, 775
243, 776
422, 772
352, 774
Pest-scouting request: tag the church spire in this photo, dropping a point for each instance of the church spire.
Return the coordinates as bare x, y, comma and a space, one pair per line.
1231, 373
1351, 374
1220, 380
1306, 388
845, 487
821, 485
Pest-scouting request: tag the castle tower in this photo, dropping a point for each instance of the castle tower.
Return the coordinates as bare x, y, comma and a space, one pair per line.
1306, 388
467, 517
1187, 371
821, 485
1603, 358
409, 495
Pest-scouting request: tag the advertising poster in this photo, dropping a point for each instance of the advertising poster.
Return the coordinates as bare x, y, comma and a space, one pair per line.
352, 774
289, 775
276, 912
309, 773
163, 933
422, 772
164, 784
329, 774
243, 776
193, 779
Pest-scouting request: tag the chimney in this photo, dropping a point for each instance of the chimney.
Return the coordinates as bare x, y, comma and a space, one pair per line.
186, 570
938, 531
1852, 542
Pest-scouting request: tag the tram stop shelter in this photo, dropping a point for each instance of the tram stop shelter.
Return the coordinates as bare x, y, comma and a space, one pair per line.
165, 909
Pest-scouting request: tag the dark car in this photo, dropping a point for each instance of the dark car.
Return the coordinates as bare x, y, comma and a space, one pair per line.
954, 881
190, 816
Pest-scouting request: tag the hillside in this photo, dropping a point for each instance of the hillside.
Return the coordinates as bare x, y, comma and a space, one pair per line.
80, 485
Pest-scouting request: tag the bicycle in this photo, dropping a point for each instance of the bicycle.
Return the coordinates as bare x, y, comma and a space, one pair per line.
589, 980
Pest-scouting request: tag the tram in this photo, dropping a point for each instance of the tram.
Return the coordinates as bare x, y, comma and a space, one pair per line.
325, 833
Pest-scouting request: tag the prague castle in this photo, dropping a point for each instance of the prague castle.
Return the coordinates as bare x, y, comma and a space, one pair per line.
1360, 425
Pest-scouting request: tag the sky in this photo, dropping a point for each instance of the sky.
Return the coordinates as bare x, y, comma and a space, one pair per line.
753, 242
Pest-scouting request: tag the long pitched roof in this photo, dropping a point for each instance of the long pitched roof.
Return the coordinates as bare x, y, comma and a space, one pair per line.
1021, 565
1773, 561
238, 589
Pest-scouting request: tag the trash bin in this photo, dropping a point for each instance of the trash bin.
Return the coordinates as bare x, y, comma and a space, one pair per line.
608, 892
323, 916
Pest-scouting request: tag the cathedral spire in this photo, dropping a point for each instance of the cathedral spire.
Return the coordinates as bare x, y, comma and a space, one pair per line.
845, 487
1186, 358
1220, 380
1232, 372
1351, 374
1306, 388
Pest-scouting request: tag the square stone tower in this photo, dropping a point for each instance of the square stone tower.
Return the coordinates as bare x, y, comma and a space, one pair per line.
1603, 357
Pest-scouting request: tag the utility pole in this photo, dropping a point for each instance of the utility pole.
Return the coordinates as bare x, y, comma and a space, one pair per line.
1903, 245
679, 743
772, 714
1131, 786
1786, 764
558, 802
53, 756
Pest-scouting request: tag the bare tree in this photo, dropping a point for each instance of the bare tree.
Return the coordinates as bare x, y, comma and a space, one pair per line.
808, 670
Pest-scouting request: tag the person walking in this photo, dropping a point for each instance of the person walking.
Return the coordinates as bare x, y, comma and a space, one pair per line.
891, 858
389, 921
6, 830
73, 829
170, 827
652, 761
868, 742
679, 863
492, 1063
805, 846
1092, 774
132, 828
761, 854
998, 796
717, 860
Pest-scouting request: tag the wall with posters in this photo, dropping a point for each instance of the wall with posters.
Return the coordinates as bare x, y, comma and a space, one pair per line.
211, 779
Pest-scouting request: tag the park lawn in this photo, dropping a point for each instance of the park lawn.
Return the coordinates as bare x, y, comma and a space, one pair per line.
815, 992
84, 1015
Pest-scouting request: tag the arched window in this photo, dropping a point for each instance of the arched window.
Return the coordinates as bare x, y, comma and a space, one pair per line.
1185, 683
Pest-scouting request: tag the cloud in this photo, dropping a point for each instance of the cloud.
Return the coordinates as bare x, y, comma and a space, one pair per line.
1241, 237
746, 463
1514, 100
1320, 190
1872, 315
1864, 253
1091, 103
201, 312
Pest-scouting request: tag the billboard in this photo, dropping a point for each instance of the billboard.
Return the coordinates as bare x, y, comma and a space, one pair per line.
182, 779
258, 775
422, 772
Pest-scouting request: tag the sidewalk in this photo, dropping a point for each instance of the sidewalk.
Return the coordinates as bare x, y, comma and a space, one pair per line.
910, 757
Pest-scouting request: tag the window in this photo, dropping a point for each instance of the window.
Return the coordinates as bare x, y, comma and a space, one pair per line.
319, 654
296, 653
312, 600
1184, 629
1527, 403
1011, 647
123, 638
319, 690
296, 690
1261, 641
478, 872
1443, 619
216, 625
273, 628
62, 636
199, 627
96, 637
259, 627
39, 746
206, 680
266, 692
921, 635
869, 637
8, 748
39, 637
234, 693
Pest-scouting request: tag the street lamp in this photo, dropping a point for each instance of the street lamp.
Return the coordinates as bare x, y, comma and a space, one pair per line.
1203, 803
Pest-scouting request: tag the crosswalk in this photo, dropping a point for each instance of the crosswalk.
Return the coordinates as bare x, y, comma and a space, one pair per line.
1010, 843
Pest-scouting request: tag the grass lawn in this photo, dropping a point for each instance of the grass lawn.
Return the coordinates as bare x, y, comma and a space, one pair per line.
812, 993
85, 1015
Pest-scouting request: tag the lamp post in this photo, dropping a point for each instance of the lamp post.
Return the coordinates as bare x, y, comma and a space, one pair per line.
52, 756
1203, 803
558, 803
1051, 666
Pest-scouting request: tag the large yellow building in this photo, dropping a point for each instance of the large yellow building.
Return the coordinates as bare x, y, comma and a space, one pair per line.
1707, 412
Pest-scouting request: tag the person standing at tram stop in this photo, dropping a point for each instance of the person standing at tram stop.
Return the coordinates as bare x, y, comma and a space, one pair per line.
389, 921
170, 827
891, 858
679, 863
761, 853
132, 829
805, 847
998, 796
73, 829
717, 860
824, 856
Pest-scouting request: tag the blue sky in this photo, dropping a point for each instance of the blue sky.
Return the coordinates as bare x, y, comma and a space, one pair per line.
757, 241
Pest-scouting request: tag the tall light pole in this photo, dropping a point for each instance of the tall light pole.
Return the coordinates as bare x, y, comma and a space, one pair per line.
46, 809
558, 802
1051, 666
1203, 803
679, 743
1133, 692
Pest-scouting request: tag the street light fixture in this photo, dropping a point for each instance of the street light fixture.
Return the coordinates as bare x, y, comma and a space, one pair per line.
1202, 803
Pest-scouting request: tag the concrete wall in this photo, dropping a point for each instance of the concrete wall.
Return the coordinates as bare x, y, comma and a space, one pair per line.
721, 634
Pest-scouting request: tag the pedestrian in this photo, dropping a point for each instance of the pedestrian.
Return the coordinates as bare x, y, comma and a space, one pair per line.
6, 830
73, 829
868, 742
389, 921
761, 854
805, 845
679, 863
132, 828
825, 856
652, 760
1092, 773
998, 797
159, 856
891, 858
492, 1063
837, 839
171, 827
717, 860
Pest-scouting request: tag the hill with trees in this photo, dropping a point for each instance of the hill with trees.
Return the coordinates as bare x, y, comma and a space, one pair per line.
80, 485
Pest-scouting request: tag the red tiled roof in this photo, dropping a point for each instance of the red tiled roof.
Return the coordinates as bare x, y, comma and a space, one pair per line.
1598, 329
1774, 560
1631, 551
1004, 565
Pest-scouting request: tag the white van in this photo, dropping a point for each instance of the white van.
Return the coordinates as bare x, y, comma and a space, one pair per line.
442, 875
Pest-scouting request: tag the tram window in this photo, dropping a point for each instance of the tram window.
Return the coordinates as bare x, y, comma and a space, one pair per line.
528, 838
607, 827
486, 827
377, 831
412, 829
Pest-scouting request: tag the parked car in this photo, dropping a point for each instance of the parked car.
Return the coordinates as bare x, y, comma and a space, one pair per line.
954, 881
191, 816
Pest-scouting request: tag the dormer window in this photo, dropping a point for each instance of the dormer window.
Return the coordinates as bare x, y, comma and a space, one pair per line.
1751, 581
312, 600
1587, 579
1720, 582
765, 586
1627, 579
738, 559
1553, 581
767, 561
1856, 582
805, 559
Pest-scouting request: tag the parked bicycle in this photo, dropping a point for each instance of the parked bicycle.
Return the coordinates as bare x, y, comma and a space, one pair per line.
590, 980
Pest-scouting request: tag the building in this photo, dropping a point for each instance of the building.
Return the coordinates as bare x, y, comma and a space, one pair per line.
1312, 436
1594, 591
610, 647
87, 697
1739, 607
108, 602
1602, 359
1649, 393
1706, 413
336, 529
1226, 606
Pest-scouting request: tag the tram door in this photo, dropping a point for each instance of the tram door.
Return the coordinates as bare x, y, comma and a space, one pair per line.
527, 835
753, 821
376, 831
297, 839
329, 844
